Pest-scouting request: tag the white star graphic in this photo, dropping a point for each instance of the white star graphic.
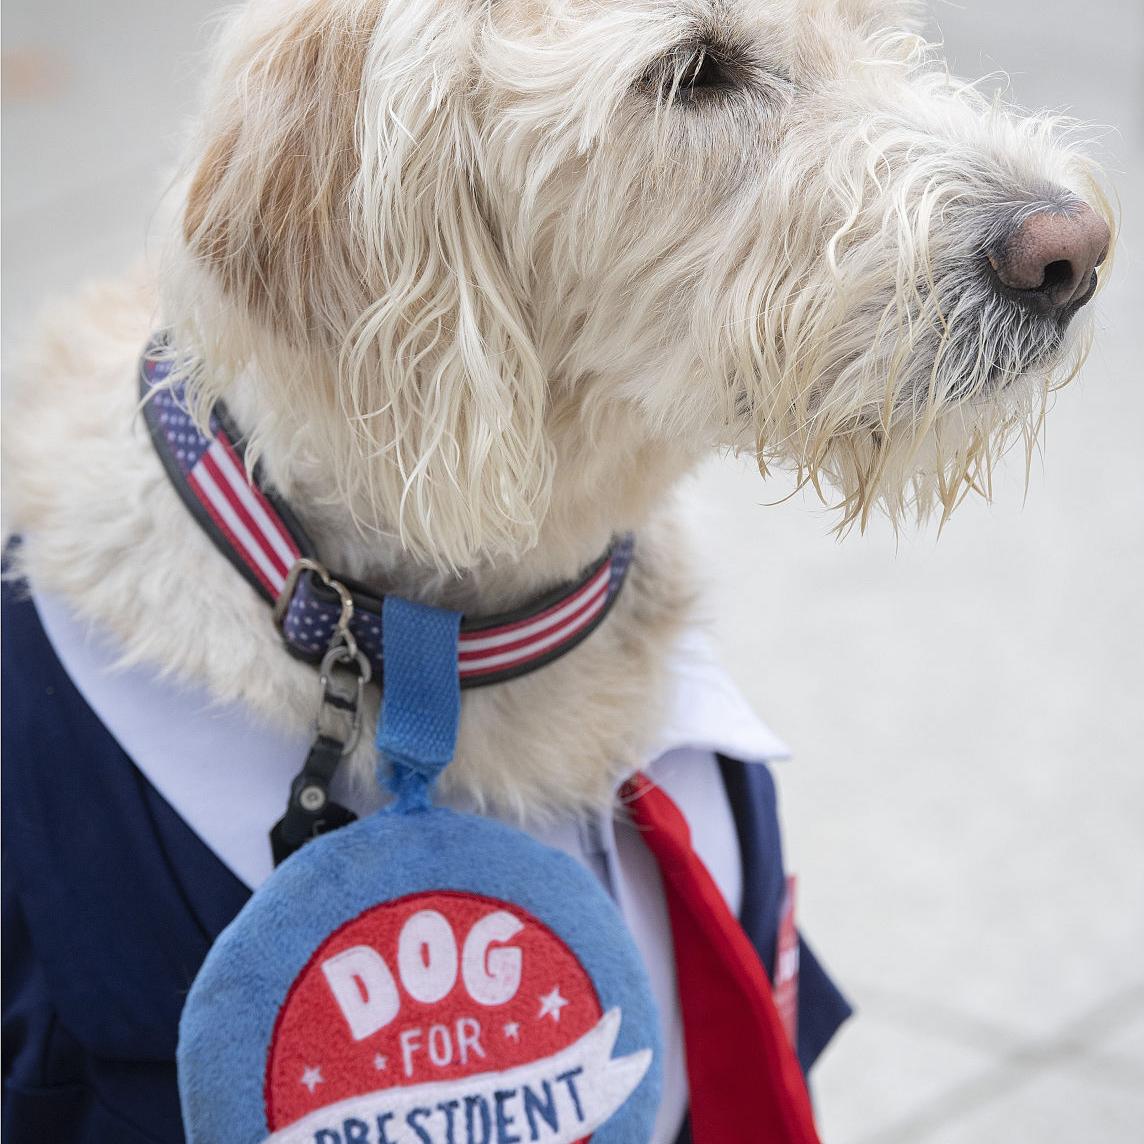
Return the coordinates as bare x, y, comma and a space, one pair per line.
311, 1078
380, 1062
551, 1004
512, 1031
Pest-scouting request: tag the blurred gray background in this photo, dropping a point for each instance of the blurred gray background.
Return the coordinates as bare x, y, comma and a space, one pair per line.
966, 803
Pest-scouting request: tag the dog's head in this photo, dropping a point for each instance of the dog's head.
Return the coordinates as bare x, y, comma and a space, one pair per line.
442, 230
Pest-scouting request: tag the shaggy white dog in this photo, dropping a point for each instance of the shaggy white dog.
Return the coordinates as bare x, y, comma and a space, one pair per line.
483, 280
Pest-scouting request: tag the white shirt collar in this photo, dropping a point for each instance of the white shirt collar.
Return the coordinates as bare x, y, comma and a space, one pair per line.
709, 712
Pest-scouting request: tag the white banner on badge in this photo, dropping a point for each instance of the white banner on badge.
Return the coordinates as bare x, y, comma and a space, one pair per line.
557, 1100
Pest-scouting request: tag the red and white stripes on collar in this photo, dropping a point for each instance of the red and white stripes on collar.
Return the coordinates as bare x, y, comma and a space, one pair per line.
260, 536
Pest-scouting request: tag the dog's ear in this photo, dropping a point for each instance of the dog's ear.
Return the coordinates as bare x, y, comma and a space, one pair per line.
267, 207
339, 199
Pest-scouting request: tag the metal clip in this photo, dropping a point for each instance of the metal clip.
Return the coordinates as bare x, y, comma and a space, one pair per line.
338, 704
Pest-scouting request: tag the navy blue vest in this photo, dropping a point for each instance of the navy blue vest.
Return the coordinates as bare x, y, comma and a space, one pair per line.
110, 903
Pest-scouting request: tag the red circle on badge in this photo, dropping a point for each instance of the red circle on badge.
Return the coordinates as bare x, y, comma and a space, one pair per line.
432, 987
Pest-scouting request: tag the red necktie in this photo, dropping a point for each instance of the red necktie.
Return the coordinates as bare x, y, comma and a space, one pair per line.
745, 1083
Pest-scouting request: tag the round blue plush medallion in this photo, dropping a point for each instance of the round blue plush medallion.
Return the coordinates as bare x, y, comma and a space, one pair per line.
422, 978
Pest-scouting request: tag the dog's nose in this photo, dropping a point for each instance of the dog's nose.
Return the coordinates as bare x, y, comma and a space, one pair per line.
1049, 261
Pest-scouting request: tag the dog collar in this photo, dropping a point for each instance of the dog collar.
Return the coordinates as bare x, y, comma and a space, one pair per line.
256, 531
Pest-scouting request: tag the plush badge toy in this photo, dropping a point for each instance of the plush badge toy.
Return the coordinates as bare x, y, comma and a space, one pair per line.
421, 976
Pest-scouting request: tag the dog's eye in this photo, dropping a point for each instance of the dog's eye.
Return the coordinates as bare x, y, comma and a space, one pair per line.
704, 70
692, 73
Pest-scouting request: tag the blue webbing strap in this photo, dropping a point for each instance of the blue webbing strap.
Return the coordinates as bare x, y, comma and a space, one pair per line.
421, 700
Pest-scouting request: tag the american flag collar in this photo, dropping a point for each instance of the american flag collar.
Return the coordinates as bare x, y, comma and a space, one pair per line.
256, 531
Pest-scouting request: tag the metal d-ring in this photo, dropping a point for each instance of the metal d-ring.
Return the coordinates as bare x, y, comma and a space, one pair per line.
342, 631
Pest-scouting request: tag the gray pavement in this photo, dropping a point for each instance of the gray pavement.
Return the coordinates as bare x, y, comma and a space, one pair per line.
966, 805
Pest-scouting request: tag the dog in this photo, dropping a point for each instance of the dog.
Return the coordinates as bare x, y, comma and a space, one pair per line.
482, 282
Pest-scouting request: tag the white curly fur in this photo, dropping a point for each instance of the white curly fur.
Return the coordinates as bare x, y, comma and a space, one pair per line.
482, 280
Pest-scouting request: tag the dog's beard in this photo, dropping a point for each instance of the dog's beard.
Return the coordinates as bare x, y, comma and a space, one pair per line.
916, 396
